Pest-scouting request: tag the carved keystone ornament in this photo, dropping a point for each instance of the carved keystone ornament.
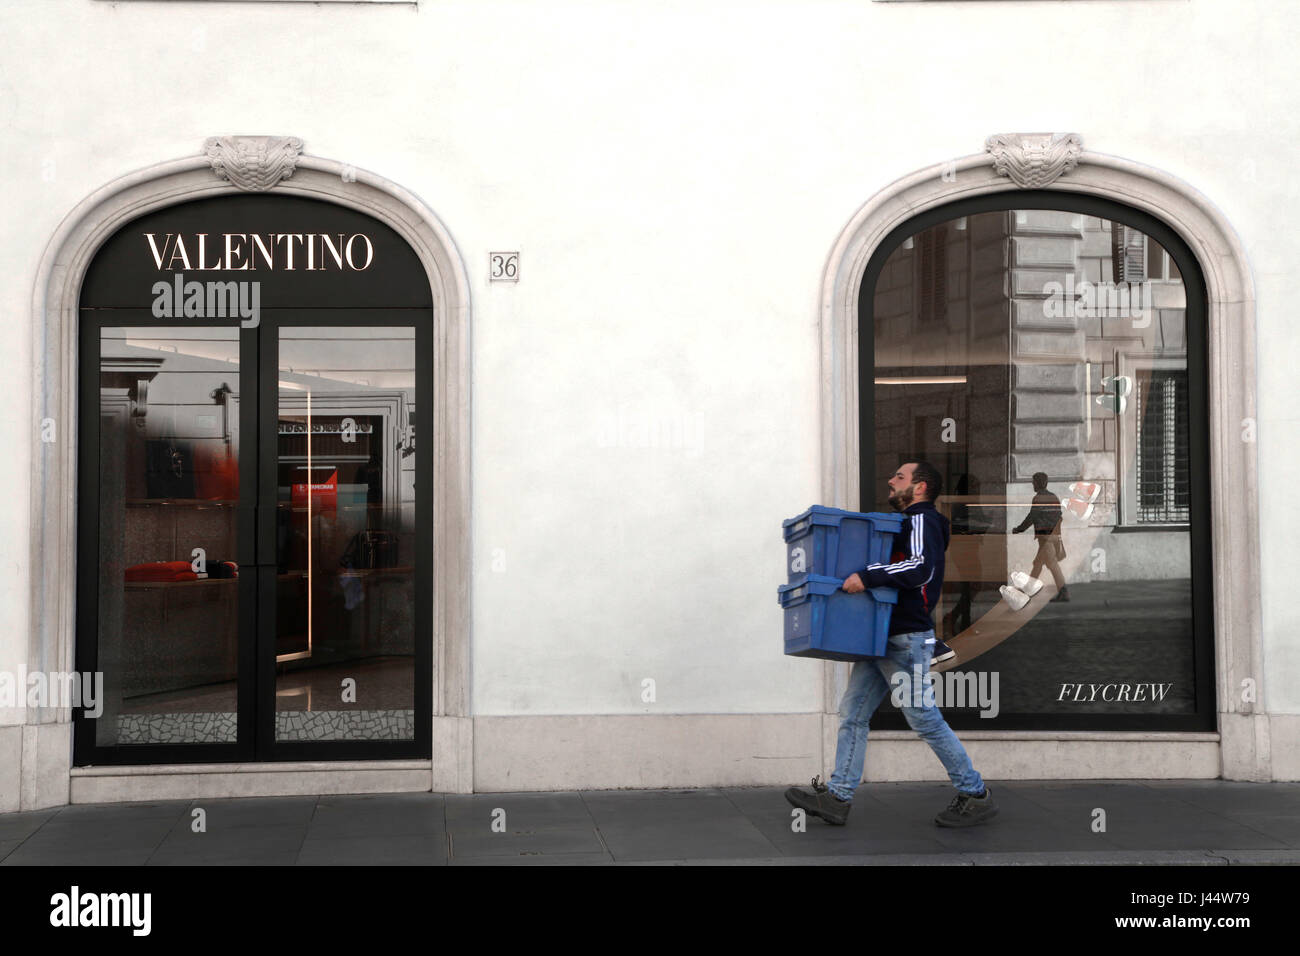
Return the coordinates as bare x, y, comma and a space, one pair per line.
1034, 160
253, 163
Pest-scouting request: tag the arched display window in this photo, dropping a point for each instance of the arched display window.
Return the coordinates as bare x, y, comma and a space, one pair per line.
254, 507
1046, 351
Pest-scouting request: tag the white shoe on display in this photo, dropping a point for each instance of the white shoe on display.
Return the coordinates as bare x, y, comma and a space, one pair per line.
1015, 597
1023, 582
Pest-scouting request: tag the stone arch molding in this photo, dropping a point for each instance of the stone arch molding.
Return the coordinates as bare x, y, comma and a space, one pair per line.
1013, 161
231, 165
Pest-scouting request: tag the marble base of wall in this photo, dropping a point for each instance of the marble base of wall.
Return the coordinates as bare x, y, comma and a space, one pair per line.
610, 752
717, 750
34, 761
903, 756
11, 756
198, 781
603, 752
1284, 762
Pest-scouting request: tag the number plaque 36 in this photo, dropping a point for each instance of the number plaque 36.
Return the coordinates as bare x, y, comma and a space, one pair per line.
503, 266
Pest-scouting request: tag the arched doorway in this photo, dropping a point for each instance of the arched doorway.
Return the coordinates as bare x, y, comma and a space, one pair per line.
254, 505
232, 167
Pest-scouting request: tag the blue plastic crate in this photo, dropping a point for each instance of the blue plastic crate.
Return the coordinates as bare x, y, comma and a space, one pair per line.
835, 543
823, 621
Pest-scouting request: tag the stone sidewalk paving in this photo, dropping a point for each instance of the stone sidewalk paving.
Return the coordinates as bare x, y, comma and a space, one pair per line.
1041, 822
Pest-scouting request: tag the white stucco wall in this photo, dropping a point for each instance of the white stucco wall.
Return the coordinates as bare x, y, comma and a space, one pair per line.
645, 400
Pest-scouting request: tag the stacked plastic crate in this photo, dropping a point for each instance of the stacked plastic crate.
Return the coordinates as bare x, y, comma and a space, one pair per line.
823, 547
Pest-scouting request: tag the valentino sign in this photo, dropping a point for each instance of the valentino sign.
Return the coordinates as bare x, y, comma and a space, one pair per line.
241, 252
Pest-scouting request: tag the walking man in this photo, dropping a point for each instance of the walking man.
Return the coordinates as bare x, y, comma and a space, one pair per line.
916, 569
1045, 518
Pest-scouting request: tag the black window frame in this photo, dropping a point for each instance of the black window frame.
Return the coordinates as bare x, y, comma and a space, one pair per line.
256, 540
1204, 718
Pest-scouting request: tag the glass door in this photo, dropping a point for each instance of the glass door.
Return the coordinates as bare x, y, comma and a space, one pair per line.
161, 587
340, 482
254, 535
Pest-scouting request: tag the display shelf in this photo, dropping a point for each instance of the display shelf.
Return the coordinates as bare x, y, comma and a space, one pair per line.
163, 585
184, 502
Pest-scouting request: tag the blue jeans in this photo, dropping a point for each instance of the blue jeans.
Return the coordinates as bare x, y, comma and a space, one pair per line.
872, 680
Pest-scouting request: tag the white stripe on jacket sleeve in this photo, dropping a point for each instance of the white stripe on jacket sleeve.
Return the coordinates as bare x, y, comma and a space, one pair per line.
918, 551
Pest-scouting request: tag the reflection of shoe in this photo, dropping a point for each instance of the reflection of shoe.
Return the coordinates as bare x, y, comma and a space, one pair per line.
967, 810
820, 802
1083, 494
1023, 582
1015, 597
942, 652
1085, 491
1061, 595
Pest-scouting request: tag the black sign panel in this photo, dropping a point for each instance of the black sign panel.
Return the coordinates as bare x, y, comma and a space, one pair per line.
301, 253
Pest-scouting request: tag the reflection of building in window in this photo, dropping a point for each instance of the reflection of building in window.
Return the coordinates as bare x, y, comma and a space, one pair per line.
1135, 257
1163, 456
1128, 253
1160, 265
932, 274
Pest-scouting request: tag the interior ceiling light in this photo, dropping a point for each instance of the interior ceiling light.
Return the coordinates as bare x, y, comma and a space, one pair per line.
922, 380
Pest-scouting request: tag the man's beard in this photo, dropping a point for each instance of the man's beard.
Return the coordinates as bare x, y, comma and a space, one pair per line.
901, 499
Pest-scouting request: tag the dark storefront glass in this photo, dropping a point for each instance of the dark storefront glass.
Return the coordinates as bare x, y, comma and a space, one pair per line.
1044, 361
345, 629
252, 532
169, 486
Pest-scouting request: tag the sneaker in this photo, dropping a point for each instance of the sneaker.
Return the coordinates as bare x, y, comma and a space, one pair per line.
942, 652
1061, 595
820, 802
968, 811
1023, 582
1015, 597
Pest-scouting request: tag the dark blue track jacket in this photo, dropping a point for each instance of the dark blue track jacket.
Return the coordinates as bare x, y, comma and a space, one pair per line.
915, 568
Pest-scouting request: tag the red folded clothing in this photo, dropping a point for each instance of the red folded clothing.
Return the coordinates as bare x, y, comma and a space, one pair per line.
162, 571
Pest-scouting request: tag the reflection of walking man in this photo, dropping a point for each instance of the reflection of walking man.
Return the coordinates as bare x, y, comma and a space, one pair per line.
1045, 517
966, 519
